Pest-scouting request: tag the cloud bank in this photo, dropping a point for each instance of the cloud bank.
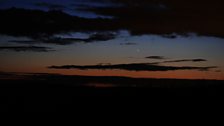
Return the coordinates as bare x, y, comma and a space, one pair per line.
139, 17
133, 67
26, 48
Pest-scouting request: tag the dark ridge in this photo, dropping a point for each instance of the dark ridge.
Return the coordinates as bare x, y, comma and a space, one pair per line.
53, 92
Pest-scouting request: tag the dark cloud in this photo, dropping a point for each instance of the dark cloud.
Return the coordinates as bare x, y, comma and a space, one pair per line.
171, 36
156, 57
26, 48
33, 23
38, 24
100, 37
66, 41
41, 26
165, 17
51, 6
51, 40
22, 41
128, 43
92, 38
133, 67
185, 60
173, 61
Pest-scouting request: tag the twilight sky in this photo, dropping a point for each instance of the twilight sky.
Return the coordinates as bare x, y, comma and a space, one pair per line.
134, 38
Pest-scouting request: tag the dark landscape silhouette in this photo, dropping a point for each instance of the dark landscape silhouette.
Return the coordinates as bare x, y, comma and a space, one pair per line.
25, 83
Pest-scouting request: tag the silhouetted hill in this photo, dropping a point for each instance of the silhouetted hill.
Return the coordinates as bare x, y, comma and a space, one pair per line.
43, 92
104, 82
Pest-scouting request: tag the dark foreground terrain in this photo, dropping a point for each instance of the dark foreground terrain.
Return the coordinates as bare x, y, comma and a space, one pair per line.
26, 90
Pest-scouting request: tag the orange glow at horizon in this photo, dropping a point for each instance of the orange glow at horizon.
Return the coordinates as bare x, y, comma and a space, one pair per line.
182, 74
178, 74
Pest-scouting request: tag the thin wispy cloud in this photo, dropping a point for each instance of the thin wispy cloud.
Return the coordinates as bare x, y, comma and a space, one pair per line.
133, 67
51, 6
185, 60
26, 48
175, 61
128, 43
156, 57
97, 37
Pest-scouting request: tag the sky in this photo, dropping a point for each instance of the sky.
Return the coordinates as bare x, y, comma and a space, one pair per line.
133, 38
